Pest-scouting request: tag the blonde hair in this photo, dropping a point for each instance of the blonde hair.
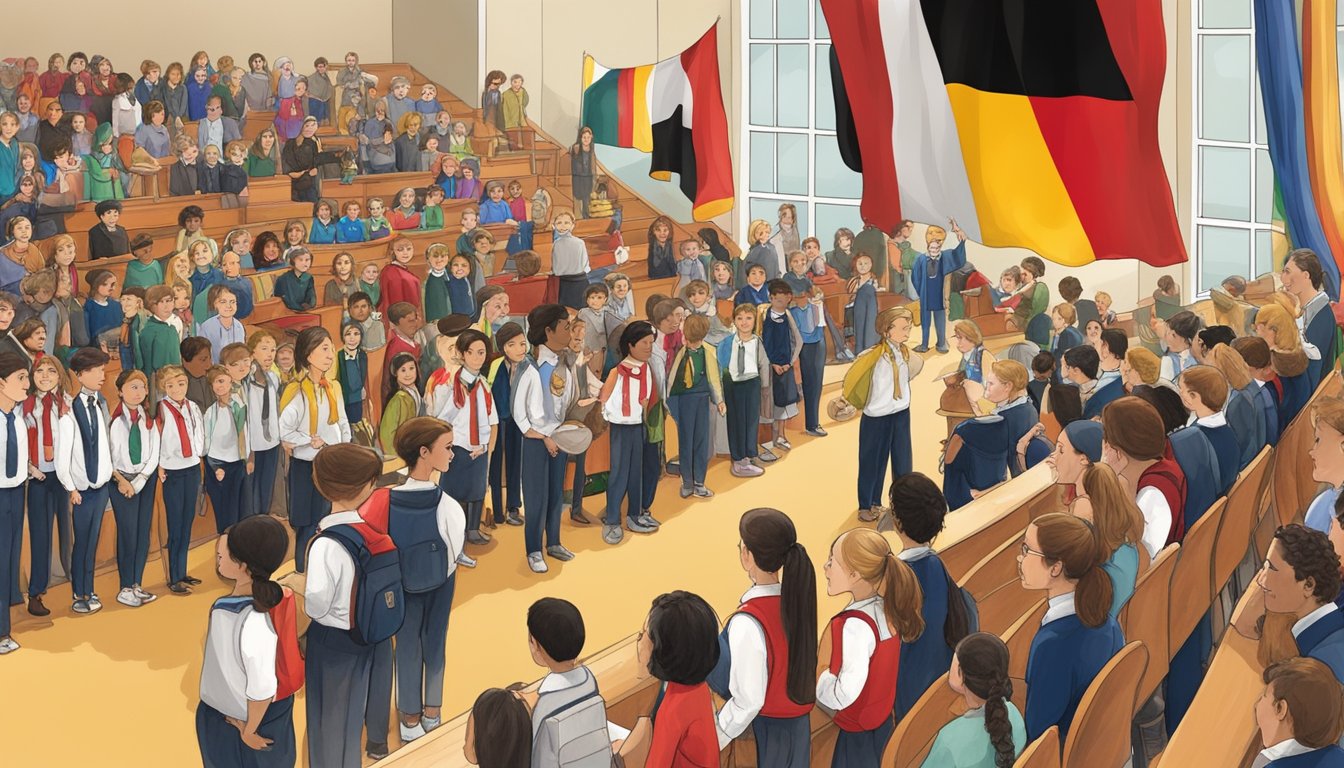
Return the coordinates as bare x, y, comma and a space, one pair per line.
1330, 411
1102, 296
968, 330
755, 227
169, 274
1275, 317
1012, 372
1145, 363
57, 243
888, 317
868, 554
1232, 365
166, 373
935, 232
1066, 313
1207, 382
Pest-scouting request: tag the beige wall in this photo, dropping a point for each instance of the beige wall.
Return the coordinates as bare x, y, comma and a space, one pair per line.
418, 37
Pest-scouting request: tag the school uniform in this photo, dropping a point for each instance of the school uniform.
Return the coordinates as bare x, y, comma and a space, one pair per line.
84, 464
396, 283
1247, 422
470, 408
1104, 394
263, 439
925, 659
135, 455
752, 677
1020, 416
352, 371
437, 303
1317, 327
1193, 451
1320, 635
884, 426
783, 344
811, 360
1161, 500
1225, 448
14, 446
745, 373
1175, 363
981, 461
1291, 753
307, 412
226, 449
860, 683
683, 727
181, 446
624, 408
693, 385
1065, 657
538, 407
557, 693
48, 502
504, 469
753, 296
569, 263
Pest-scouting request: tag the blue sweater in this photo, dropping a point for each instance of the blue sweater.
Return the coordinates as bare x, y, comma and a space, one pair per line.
322, 234
348, 231
928, 657
1324, 641
753, 296
1326, 757
102, 317
1065, 657
1103, 396
1227, 451
1199, 463
930, 288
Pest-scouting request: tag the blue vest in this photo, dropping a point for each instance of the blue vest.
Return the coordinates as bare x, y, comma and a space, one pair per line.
1269, 408
1296, 393
1102, 397
1020, 419
1321, 333
1199, 463
1326, 757
929, 656
412, 522
981, 461
1226, 451
1065, 658
1324, 641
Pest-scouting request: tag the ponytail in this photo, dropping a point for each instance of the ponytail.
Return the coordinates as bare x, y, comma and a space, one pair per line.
957, 625
259, 543
984, 667
1092, 597
1073, 543
902, 599
798, 612
266, 594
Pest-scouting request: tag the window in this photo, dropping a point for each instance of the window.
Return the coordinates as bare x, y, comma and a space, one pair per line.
789, 137
1234, 179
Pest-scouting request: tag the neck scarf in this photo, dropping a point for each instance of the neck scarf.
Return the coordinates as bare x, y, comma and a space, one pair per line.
465, 394
182, 434
262, 381
49, 408
689, 370
626, 372
309, 392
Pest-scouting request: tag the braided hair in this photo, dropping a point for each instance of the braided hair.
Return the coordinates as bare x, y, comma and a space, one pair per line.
983, 659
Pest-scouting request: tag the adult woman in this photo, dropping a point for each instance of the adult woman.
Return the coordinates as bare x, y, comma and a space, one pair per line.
1134, 444
582, 164
174, 94
1078, 448
1062, 557
20, 251
1327, 461
1243, 401
263, 158
1035, 299
302, 155
343, 281
1104, 502
662, 250
1278, 328
786, 239
841, 256
991, 733
490, 101
231, 96
776, 625
152, 135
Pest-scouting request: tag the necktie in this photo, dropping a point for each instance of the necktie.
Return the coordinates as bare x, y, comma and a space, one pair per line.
91, 407
182, 434
265, 386
239, 420
11, 447
690, 369
49, 427
133, 441
741, 373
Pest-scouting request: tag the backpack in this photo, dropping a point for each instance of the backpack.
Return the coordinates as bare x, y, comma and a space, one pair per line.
288, 660
576, 729
377, 602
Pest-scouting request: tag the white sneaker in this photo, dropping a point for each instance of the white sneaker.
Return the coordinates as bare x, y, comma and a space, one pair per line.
95, 604
145, 597
537, 562
412, 733
8, 645
466, 561
128, 597
430, 723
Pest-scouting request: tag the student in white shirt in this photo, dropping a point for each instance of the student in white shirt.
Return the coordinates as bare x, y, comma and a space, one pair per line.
1300, 716
629, 388
469, 407
312, 415
84, 467
545, 390
181, 445
227, 459
48, 502
262, 388
884, 427
13, 474
746, 379
135, 457
239, 721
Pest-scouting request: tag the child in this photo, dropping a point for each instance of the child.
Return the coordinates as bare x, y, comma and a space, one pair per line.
320, 91
494, 210
689, 266
13, 391
1042, 369
431, 218
191, 223
105, 176
469, 185
696, 295
745, 371
296, 234
405, 216
402, 400
350, 228
103, 318
132, 309
376, 226
106, 239
84, 467
181, 446
224, 327
145, 271
721, 281
158, 341
445, 175
352, 371
196, 360
483, 258
517, 203
396, 283
995, 729
621, 301
323, 230
511, 346
184, 178
469, 221
878, 383
405, 321
461, 295
587, 385
267, 254
182, 321
372, 334
806, 311
629, 389
692, 385
262, 391
295, 288
48, 502
569, 261
437, 302
369, 283
594, 318
783, 342
205, 274
208, 172
439, 359
227, 459
429, 152
470, 410
755, 291
343, 282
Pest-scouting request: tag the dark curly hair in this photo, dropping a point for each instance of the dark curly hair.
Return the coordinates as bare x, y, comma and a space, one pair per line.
1311, 556
983, 659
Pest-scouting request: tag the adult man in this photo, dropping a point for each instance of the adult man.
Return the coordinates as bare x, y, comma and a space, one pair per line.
1302, 277
216, 129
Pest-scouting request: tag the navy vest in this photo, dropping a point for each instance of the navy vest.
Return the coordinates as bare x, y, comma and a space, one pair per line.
412, 522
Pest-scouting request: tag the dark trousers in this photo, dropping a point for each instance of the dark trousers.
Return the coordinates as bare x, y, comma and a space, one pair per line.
882, 440
812, 366
11, 546
574, 496
625, 481
543, 490
653, 471
336, 684
690, 410
222, 746
1187, 672
783, 743
260, 485
504, 472
354, 411
87, 517
420, 648
134, 517
180, 489
48, 505
378, 709
226, 495
308, 195
306, 508
936, 318
744, 416
862, 749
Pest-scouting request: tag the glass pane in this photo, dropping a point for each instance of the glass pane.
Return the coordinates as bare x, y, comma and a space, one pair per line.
792, 167
823, 32
792, 83
1260, 131
762, 18
834, 178
762, 85
1225, 14
831, 217
1225, 183
792, 19
762, 162
1264, 186
824, 117
1264, 253
1222, 252
768, 210
1225, 90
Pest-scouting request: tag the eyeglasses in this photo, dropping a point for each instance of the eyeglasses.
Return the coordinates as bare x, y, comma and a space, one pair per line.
1027, 550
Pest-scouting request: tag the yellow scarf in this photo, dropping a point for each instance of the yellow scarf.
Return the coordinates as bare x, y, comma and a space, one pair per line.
859, 378
305, 387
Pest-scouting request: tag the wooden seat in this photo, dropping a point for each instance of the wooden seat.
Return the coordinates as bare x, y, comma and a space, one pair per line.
1239, 519
961, 559
1041, 753
1018, 639
1001, 609
1293, 488
1192, 580
1099, 735
1145, 617
914, 735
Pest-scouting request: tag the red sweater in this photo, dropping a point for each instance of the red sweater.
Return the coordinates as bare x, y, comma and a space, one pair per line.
683, 729
397, 283
395, 346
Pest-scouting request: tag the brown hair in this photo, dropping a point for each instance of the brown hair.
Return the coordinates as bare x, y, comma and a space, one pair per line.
968, 330
341, 471
1331, 411
416, 433
1134, 427
1066, 313
1278, 319
1253, 350
1207, 382
868, 554
1230, 362
1072, 542
157, 293
1115, 516
1012, 372
232, 353
1313, 697
1145, 363
695, 327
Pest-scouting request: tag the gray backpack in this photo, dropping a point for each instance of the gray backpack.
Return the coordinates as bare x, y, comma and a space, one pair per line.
570, 728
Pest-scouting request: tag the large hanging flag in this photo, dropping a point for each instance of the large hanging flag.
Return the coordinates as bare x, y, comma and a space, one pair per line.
674, 110
1033, 123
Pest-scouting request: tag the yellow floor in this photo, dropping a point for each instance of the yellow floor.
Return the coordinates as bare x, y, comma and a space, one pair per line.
119, 688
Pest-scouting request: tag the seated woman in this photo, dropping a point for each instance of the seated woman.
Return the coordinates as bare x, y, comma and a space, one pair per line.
1327, 461
1134, 444
991, 733
1062, 556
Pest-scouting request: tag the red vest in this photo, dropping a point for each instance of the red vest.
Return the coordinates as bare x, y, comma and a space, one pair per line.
875, 702
1165, 475
765, 610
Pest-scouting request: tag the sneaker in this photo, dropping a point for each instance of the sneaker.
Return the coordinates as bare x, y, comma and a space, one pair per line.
634, 526
145, 597
559, 552
846, 355
536, 562
647, 520
686, 492
767, 455
514, 518
817, 432
922, 348
745, 468
784, 443
703, 492
179, 588
612, 534
430, 723
410, 733
942, 349
95, 603
478, 538
192, 580
674, 468
81, 606
466, 561
8, 645
127, 597
374, 750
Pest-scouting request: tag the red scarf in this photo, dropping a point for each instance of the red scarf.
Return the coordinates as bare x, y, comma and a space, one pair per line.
466, 395
626, 371
671, 343
181, 425
49, 408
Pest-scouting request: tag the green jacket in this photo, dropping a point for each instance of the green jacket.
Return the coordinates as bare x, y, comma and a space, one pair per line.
431, 217
399, 409
159, 346
513, 106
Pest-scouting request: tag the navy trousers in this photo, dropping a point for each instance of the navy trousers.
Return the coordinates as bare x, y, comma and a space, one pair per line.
812, 366
783, 743
48, 506
504, 473
882, 440
690, 410
336, 685
543, 490
653, 472
260, 485
574, 496
223, 747
378, 709
744, 416
862, 749
420, 648
181, 487
939, 318
226, 496
88, 522
134, 517
11, 546
625, 481
306, 508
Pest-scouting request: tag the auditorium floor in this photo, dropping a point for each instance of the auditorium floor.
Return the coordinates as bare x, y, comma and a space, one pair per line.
120, 688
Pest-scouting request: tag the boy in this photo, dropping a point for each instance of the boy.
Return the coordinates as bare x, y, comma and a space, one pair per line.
689, 266
350, 228
320, 91
132, 307
594, 317
783, 343
295, 287
145, 270
405, 321
754, 292
807, 315
567, 701
1042, 369
878, 384
360, 307
184, 177
483, 258
1255, 351
208, 172
233, 176
158, 343
432, 216
569, 261
180, 447
84, 467
746, 379
1103, 301
196, 359
461, 293
470, 218
436, 282
231, 264
693, 383
106, 239
224, 327
927, 279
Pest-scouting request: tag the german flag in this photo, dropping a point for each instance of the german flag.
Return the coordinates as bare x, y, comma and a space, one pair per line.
1033, 123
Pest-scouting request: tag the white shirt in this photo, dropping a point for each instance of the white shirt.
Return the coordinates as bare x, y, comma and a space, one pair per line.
137, 474
256, 426
214, 134
294, 424
223, 443
529, 412
70, 469
19, 447
1061, 606
880, 399
37, 421
331, 575
1105, 377
627, 389
1156, 519
1216, 419
1304, 623
176, 323
744, 355
836, 692
125, 115
914, 553
1285, 748
450, 519
170, 442
750, 672
460, 416
1168, 371
239, 664
1001, 407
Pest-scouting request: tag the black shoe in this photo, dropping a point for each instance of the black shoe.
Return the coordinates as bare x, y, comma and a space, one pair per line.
577, 517
477, 538
375, 751
179, 588
192, 580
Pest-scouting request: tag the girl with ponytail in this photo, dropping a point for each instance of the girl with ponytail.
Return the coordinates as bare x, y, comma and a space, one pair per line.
769, 646
1062, 555
239, 721
866, 639
991, 733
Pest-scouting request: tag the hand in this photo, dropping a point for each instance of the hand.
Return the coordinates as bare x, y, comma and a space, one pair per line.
219, 475
584, 403
1027, 438
125, 488
312, 171
35, 473
317, 443
956, 229
476, 454
112, 174
548, 442
251, 465
163, 474
723, 408
779, 369
254, 740
75, 498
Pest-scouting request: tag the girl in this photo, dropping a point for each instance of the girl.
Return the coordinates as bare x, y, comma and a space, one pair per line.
19, 247
13, 392
629, 389
721, 281
493, 209
511, 348
469, 186
1103, 502
102, 316
786, 238
342, 282
991, 734
746, 379
267, 254
239, 241
227, 459
262, 390
499, 729
198, 91
48, 503
152, 135
377, 224
405, 216
1062, 557
240, 721
352, 371
517, 203
407, 145
776, 622
1279, 329
24, 202
369, 282
397, 283
783, 343
296, 234
263, 158
840, 258
135, 457
32, 337
312, 415
1134, 444
175, 94
761, 251
401, 400
323, 231
975, 359
191, 222
420, 518
1092, 334
445, 175
202, 61
662, 251
181, 445
437, 300
284, 362
863, 287
884, 612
